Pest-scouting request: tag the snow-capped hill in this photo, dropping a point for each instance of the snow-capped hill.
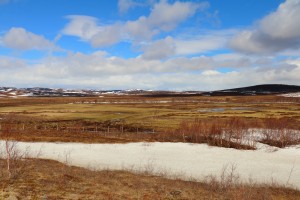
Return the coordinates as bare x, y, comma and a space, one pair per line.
286, 90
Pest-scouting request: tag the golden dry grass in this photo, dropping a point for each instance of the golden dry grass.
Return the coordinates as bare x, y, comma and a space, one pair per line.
158, 113
132, 118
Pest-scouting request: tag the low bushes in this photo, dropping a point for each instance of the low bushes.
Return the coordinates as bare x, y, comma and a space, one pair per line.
277, 133
236, 133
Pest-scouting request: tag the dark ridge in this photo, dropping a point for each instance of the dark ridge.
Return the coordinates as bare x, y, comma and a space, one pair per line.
256, 90
276, 88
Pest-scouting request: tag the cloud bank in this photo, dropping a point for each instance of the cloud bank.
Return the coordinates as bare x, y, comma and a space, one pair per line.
21, 39
276, 32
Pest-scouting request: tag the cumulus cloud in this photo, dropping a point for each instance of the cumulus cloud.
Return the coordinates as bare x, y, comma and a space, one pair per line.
164, 16
100, 64
203, 42
276, 32
167, 16
21, 39
187, 45
102, 71
160, 49
7, 63
84, 27
87, 29
125, 5
106, 36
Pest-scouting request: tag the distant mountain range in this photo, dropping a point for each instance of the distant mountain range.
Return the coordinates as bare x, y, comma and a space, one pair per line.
13, 92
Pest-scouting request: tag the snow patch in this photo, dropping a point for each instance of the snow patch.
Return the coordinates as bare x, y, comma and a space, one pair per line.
187, 160
296, 94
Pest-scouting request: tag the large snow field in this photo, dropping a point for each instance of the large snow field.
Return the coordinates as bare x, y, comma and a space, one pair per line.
182, 160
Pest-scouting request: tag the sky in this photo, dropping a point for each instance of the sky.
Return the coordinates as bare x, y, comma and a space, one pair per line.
151, 44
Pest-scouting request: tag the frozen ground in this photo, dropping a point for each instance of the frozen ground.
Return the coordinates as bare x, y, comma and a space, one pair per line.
184, 160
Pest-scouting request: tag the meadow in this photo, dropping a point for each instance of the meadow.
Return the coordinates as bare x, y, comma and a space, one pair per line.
116, 118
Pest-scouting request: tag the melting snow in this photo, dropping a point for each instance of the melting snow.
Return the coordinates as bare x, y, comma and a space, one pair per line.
186, 160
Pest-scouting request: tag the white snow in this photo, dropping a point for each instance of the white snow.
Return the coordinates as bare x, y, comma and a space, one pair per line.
295, 94
26, 95
183, 159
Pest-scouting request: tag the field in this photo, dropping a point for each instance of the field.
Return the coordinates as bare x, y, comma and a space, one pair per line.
125, 115
223, 121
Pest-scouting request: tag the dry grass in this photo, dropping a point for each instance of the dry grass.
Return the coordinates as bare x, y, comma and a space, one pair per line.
277, 133
230, 132
46, 179
157, 113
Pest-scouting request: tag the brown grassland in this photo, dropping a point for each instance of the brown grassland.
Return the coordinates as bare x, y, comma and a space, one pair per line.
46, 179
130, 117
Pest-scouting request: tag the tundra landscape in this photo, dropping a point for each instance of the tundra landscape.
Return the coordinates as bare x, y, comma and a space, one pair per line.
239, 146
149, 99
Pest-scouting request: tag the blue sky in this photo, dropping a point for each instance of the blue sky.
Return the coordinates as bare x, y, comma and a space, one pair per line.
150, 44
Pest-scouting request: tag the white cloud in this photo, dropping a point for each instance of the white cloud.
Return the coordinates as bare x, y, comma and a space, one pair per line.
186, 44
164, 16
7, 63
87, 29
276, 32
160, 49
284, 22
210, 73
21, 39
106, 36
84, 27
167, 16
203, 42
99, 70
99, 64
140, 29
125, 5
